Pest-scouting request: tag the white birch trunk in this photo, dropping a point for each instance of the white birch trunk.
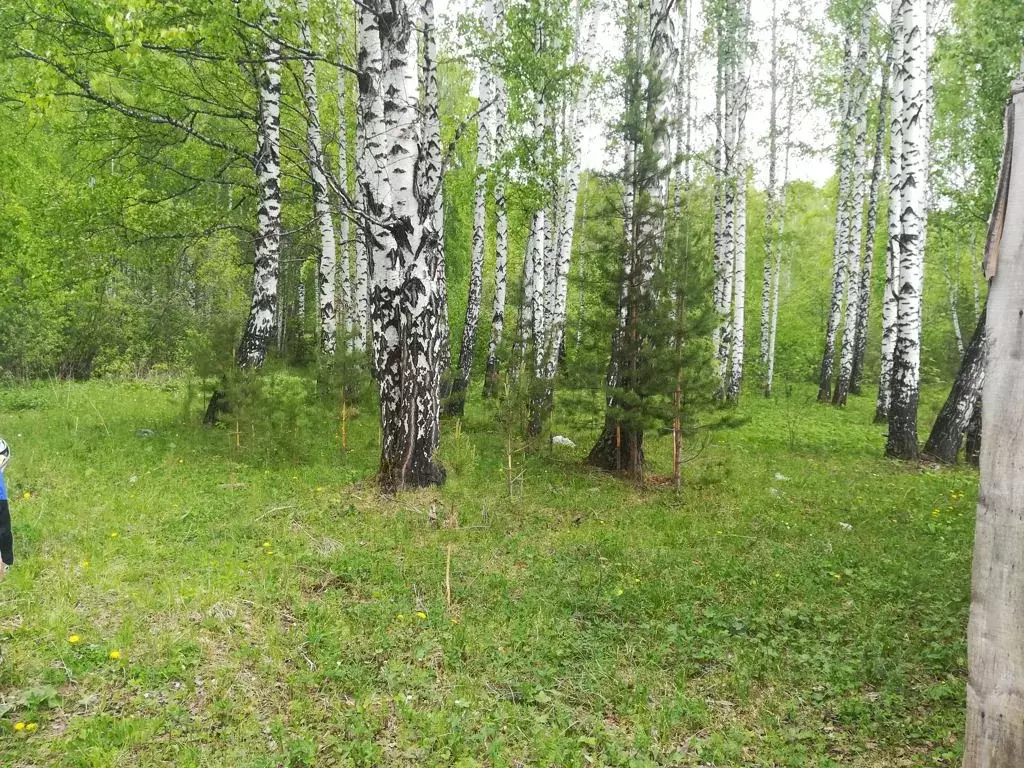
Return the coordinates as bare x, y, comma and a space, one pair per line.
889, 296
740, 212
777, 276
906, 368
403, 294
344, 222
500, 225
844, 167
863, 311
467, 349
361, 274
431, 186
855, 238
995, 631
327, 264
267, 261
771, 191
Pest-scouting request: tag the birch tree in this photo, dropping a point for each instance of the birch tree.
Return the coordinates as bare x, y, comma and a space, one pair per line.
844, 213
564, 222
906, 369
855, 234
995, 649
864, 293
890, 292
252, 350
431, 188
779, 240
739, 215
327, 261
402, 246
493, 369
947, 433
457, 399
771, 191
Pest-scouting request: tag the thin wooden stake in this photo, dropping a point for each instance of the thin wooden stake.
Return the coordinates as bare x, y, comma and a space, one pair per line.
448, 578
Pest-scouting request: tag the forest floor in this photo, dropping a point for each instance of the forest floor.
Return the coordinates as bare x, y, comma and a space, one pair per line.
181, 600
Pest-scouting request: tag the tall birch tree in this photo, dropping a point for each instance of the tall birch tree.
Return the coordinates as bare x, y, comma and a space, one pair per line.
906, 369
328, 260
855, 234
402, 246
252, 350
457, 398
890, 292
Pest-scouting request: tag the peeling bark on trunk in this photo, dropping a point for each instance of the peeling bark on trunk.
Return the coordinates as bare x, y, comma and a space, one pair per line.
995, 632
948, 431
906, 369
327, 263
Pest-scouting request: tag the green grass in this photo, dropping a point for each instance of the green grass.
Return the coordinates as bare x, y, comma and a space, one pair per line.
591, 623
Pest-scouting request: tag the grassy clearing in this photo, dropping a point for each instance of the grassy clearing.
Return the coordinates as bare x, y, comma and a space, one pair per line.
274, 613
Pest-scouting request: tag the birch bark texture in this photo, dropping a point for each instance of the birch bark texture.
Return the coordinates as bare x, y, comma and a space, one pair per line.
620, 444
906, 369
252, 350
889, 295
739, 256
327, 263
948, 431
995, 632
493, 369
855, 235
402, 246
864, 309
844, 165
457, 398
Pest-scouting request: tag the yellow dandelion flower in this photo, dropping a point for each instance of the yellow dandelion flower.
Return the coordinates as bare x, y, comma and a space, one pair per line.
268, 551
26, 495
85, 563
319, 490
618, 592
31, 726
115, 655
266, 544
113, 534
420, 615
74, 639
19, 726
400, 616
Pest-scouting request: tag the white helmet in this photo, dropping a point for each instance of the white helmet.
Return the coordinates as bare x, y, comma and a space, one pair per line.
5, 453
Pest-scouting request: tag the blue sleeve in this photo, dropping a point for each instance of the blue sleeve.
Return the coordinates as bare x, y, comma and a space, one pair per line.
3, 488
